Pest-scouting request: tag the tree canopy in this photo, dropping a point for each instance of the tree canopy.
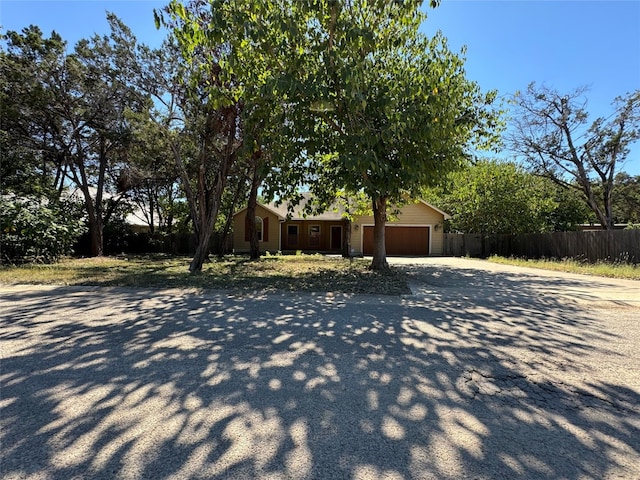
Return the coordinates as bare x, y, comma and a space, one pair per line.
368, 103
626, 198
553, 135
391, 110
64, 114
334, 95
495, 197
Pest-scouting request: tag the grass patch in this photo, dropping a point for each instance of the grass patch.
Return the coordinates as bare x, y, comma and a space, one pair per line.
306, 273
602, 269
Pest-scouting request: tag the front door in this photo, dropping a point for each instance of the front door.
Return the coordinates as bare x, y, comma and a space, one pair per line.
292, 236
336, 237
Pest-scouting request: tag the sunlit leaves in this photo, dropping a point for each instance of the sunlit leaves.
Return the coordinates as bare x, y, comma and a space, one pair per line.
493, 197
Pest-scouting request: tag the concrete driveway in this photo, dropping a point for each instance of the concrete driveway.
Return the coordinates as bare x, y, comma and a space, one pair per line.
485, 372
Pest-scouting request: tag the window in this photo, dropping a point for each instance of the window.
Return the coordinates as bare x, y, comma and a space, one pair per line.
314, 235
262, 229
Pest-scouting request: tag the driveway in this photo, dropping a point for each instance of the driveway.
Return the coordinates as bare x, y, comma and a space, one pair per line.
485, 372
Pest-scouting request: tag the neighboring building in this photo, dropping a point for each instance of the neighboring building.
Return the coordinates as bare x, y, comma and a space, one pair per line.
136, 219
416, 231
587, 227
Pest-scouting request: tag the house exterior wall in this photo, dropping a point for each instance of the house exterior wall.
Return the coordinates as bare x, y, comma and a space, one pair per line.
416, 214
240, 245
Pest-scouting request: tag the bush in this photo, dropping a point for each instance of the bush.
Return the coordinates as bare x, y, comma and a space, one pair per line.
34, 229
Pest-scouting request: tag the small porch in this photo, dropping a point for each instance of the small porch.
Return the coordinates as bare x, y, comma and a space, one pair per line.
324, 236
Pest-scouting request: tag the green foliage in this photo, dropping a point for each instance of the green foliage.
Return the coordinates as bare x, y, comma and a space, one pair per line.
335, 94
149, 179
116, 230
29, 65
495, 197
397, 111
353, 204
570, 210
238, 57
63, 113
364, 101
34, 229
626, 198
384, 109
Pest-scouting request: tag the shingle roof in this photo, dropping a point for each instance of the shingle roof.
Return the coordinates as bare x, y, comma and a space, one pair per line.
334, 212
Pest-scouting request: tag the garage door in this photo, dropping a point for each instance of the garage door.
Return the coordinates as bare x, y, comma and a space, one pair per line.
399, 240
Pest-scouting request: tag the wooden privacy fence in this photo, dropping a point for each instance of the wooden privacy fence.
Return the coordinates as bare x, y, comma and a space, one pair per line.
592, 246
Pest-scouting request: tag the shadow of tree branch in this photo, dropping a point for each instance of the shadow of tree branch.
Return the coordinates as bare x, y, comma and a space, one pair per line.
491, 379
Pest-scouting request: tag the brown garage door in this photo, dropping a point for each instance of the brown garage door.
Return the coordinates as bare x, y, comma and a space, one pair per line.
399, 240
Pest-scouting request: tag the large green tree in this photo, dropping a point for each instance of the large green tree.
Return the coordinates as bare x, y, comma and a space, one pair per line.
366, 102
389, 110
149, 179
494, 197
199, 111
249, 56
552, 133
28, 63
66, 112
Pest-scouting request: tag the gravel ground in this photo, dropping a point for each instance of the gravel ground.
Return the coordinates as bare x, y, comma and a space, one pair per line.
485, 372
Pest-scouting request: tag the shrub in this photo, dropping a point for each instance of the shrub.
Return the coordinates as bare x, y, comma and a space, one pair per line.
34, 229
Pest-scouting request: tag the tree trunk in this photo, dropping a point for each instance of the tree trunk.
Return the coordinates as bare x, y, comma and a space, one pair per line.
379, 261
210, 197
254, 244
207, 220
93, 205
95, 233
605, 221
250, 224
202, 250
229, 220
152, 227
608, 204
346, 238
94, 219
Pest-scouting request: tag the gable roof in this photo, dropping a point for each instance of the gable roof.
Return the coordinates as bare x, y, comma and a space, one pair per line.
281, 210
335, 211
445, 214
269, 207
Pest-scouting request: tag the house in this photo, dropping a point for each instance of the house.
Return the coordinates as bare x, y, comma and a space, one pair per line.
417, 230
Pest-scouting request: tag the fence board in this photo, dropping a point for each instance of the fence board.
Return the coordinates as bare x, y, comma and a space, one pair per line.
592, 246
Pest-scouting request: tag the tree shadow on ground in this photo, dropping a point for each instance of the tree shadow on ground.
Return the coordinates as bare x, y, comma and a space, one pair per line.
478, 377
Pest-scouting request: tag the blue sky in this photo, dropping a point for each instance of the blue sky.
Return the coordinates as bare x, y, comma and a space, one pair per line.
510, 43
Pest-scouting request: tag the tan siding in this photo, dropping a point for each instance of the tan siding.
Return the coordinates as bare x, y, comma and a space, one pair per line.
413, 214
356, 237
239, 243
